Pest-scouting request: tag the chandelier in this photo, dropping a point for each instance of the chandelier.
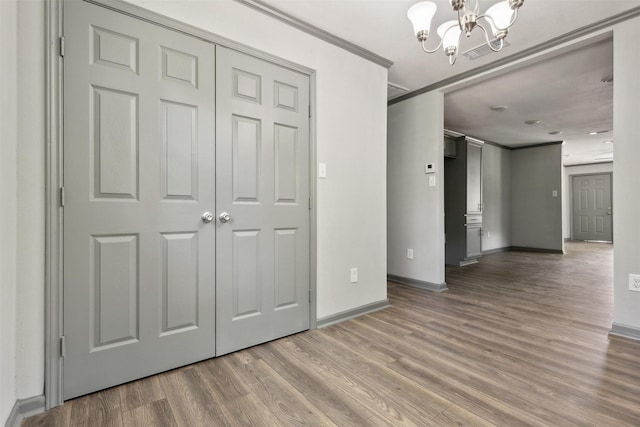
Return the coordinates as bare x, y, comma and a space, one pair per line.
500, 17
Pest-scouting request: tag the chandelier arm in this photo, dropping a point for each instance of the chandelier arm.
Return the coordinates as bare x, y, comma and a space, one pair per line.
486, 37
515, 18
452, 58
430, 51
490, 19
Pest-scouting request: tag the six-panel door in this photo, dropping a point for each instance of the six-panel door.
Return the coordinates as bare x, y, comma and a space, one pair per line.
140, 171
139, 115
592, 208
262, 150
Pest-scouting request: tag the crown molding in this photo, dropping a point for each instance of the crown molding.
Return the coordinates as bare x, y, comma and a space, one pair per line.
602, 25
319, 33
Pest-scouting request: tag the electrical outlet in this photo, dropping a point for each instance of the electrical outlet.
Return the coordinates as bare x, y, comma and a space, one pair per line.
634, 282
410, 253
354, 275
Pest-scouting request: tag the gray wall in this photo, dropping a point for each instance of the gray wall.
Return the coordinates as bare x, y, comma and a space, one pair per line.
569, 171
536, 216
415, 211
496, 194
626, 173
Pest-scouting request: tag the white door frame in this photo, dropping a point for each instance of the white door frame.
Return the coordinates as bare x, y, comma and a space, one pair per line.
54, 348
571, 177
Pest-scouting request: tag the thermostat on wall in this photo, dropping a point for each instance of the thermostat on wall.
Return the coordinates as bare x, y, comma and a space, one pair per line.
430, 168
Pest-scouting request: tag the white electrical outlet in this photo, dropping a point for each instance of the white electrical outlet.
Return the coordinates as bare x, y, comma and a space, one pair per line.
634, 282
354, 275
410, 253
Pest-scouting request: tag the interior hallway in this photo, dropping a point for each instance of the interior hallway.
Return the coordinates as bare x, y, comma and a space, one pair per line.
519, 339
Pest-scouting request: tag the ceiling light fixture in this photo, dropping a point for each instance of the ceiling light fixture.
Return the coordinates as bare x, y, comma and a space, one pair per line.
499, 18
607, 142
499, 107
533, 122
598, 132
556, 132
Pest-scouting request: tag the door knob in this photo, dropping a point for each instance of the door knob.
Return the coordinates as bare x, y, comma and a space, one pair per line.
224, 217
207, 217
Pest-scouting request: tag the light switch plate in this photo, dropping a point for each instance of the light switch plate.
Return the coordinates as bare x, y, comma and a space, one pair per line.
554, 193
432, 181
322, 170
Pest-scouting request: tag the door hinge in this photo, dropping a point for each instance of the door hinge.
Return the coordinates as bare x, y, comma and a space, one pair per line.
63, 347
309, 203
62, 47
309, 295
309, 111
61, 196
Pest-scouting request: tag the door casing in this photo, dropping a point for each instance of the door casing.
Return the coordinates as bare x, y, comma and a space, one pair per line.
54, 174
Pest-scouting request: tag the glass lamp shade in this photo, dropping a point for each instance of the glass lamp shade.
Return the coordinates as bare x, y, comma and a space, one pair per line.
501, 14
449, 32
420, 15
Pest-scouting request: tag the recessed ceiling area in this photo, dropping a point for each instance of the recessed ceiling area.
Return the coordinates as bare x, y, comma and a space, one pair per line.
565, 93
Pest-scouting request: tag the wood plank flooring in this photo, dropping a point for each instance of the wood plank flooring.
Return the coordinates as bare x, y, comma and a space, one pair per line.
519, 339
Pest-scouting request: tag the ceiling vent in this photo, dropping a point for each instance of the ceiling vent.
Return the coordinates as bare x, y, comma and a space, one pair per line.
394, 90
484, 49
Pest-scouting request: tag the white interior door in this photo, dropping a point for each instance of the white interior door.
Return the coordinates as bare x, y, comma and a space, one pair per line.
139, 171
263, 184
592, 207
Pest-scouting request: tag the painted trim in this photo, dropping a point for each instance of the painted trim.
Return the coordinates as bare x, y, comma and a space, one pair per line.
465, 262
14, 419
543, 144
539, 250
588, 164
25, 408
624, 331
497, 250
455, 134
420, 284
524, 54
53, 387
53, 211
332, 319
279, 14
313, 213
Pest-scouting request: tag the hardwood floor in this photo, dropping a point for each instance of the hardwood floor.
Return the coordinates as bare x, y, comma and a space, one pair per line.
519, 339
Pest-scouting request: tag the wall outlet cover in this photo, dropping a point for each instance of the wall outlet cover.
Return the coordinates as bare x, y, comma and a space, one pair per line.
634, 282
354, 275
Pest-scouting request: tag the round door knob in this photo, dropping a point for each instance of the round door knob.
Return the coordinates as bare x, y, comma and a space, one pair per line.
207, 217
224, 217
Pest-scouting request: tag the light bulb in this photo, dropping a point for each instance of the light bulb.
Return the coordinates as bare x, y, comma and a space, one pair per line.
501, 15
449, 32
420, 15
